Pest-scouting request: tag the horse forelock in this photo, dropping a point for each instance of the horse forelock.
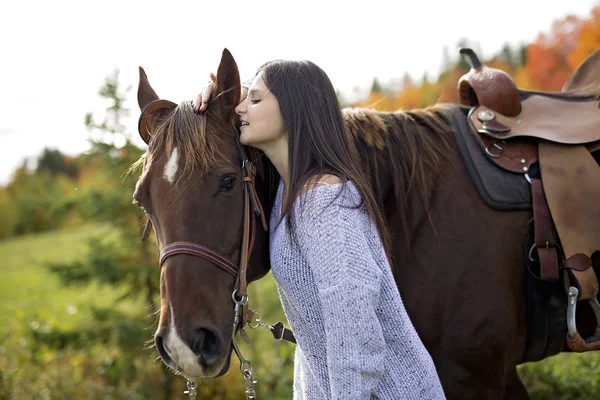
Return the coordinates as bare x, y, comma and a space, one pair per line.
197, 146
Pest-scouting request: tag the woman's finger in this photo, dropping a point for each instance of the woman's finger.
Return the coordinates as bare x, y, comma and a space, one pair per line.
204, 97
201, 103
197, 102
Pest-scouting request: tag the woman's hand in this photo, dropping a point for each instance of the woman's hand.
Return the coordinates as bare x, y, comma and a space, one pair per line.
201, 103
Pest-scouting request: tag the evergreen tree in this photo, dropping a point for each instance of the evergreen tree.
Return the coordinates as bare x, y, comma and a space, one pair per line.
121, 260
376, 87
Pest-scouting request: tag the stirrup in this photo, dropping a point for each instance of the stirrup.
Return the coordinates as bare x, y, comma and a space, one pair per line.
574, 339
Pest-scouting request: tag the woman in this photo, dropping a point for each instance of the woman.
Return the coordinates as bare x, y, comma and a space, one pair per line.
329, 246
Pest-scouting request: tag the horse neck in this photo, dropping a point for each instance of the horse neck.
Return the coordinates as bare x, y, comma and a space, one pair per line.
404, 153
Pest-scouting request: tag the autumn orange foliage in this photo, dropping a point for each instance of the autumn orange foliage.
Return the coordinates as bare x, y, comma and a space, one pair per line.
547, 64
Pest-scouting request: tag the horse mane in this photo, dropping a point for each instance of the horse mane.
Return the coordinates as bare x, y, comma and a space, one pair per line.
188, 132
412, 146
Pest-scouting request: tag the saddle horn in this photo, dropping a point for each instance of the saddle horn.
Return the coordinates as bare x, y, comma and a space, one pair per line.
472, 57
490, 87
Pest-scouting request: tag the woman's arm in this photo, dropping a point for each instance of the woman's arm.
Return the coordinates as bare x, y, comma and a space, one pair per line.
333, 240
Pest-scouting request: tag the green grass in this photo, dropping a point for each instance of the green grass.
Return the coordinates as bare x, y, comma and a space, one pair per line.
31, 296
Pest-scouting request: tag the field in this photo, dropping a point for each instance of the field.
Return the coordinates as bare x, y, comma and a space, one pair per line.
33, 302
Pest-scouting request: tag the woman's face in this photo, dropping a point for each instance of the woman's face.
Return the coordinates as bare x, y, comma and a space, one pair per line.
262, 125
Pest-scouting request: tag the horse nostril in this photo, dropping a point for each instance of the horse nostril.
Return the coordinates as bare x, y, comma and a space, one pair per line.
161, 348
206, 345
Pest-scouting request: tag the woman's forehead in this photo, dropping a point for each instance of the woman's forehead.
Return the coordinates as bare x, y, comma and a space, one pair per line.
258, 83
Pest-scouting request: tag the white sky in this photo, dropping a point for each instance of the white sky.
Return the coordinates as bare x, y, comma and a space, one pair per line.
54, 55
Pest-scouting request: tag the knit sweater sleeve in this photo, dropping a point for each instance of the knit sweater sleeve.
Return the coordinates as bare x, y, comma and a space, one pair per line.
335, 240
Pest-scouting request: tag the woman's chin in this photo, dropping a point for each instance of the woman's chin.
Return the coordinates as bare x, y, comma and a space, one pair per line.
246, 140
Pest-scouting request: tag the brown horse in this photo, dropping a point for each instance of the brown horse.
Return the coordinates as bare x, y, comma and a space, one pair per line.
459, 264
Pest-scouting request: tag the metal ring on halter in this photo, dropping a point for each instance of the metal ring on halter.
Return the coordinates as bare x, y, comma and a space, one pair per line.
497, 146
246, 368
243, 300
256, 322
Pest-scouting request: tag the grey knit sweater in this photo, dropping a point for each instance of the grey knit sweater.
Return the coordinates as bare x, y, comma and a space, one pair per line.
355, 339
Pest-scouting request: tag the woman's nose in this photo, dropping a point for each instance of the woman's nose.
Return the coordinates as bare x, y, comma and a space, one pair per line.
241, 108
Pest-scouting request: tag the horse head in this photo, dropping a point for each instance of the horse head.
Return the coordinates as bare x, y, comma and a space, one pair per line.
191, 182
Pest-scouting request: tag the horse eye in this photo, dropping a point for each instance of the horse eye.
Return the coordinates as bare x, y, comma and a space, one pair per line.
227, 184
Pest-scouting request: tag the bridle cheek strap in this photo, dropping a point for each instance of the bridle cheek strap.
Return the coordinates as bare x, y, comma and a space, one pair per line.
258, 209
241, 284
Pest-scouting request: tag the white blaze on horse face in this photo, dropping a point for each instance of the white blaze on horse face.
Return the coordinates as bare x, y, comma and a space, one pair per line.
171, 166
180, 353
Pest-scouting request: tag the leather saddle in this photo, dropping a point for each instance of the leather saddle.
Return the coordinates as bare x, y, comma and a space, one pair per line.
553, 141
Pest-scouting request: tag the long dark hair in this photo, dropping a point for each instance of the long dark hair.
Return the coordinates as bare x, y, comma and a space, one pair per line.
318, 138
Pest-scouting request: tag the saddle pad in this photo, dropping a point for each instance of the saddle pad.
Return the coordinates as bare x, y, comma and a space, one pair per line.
499, 189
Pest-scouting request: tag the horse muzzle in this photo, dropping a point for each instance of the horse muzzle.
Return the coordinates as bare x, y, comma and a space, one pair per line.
203, 357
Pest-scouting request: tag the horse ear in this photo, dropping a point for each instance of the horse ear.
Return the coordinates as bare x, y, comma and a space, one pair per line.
153, 112
228, 85
145, 94
585, 80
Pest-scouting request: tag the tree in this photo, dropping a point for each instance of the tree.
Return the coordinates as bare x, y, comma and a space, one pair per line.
547, 58
111, 201
588, 41
54, 162
376, 87
121, 261
111, 127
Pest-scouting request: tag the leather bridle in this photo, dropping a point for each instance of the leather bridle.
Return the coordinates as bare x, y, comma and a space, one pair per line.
242, 315
248, 173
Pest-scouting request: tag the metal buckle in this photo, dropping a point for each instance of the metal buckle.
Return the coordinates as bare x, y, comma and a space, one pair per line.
548, 246
498, 147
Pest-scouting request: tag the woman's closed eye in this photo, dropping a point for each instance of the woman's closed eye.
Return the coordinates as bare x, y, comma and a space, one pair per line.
254, 101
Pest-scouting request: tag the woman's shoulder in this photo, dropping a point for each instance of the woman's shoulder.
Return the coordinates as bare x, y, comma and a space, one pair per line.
317, 181
327, 191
